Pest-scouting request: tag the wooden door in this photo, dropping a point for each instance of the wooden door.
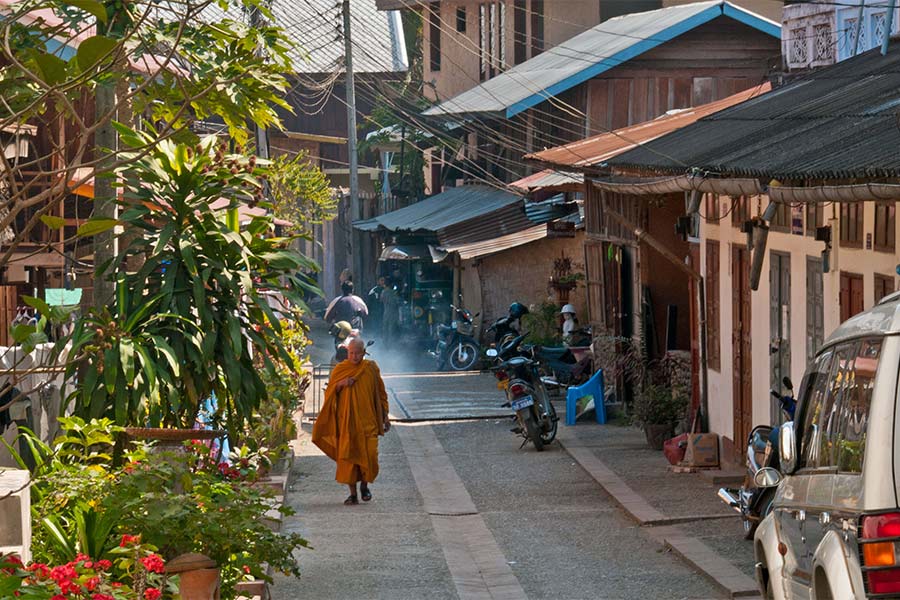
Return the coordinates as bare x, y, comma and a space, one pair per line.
740, 341
780, 324
9, 299
612, 289
851, 294
815, 307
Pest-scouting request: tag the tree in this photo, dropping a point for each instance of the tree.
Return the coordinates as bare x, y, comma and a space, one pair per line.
301, 193
179, 329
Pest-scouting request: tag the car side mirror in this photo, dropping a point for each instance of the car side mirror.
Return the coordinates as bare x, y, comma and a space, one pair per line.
787, 447
767, 477
492, 352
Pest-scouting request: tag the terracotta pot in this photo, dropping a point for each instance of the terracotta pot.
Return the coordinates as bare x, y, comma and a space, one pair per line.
198, 576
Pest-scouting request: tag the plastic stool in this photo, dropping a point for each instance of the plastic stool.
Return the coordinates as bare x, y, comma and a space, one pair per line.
594, 387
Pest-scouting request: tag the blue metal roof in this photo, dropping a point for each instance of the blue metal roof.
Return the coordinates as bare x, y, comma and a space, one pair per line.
589, 54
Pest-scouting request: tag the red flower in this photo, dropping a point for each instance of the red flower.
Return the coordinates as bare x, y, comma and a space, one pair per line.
102, 597
82, 558
92, 583
63, 573
152, 594
40, 570
128, 540
58, 597
104, 565
246, 569
116, 584
154, 563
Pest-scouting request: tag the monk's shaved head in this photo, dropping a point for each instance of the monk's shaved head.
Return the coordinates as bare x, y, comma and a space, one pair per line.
356, 351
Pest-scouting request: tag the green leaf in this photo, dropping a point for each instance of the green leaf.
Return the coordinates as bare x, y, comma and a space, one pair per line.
52, 67
20, 332
95, 226
53, 222
37, 304
90, 6
126, 355
94, 49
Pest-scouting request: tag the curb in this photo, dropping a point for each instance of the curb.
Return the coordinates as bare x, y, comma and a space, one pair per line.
693, 551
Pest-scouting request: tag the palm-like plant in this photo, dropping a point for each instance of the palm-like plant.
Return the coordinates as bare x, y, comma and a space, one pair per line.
188, 321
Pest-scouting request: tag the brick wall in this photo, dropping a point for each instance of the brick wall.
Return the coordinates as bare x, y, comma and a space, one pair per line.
492, 283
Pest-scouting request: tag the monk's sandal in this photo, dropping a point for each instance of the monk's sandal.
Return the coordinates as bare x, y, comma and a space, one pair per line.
366, 494
351, 500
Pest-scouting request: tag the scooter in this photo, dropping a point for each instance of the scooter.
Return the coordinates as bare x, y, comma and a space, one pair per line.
456, 343
518, 376
754, 502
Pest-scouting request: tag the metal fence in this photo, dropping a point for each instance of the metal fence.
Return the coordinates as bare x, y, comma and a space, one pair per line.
320, 376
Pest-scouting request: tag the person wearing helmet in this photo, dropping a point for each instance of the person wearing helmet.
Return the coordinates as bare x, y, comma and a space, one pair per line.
517, 310
570, 323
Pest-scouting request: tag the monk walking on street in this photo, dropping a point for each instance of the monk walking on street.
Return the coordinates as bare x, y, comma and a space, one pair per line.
354, 414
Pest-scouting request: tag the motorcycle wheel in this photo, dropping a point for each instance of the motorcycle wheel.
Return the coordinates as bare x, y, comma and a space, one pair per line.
550, 435
463, 356
534, 432
765, 507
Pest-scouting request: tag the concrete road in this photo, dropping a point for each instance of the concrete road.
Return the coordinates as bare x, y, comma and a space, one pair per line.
460, 511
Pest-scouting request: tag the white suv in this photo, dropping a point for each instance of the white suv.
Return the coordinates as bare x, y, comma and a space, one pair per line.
834, 531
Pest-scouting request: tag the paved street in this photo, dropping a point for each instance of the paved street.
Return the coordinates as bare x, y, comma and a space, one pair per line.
460, 511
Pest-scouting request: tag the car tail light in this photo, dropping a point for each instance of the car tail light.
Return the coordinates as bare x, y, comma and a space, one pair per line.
518, 389
879, 537
501, 375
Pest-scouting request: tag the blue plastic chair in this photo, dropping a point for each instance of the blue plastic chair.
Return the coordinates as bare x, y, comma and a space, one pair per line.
593, 387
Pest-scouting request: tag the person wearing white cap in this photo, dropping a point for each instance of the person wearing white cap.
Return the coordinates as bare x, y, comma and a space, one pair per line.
570, 323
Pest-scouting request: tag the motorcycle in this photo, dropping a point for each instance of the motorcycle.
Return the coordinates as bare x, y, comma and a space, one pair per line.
754, 502
566, 365
343, 334
456, 343
518, 376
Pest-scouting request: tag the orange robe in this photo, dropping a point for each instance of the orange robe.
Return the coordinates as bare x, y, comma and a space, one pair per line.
351, 420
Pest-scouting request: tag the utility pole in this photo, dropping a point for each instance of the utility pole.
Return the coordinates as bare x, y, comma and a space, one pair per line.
355, 259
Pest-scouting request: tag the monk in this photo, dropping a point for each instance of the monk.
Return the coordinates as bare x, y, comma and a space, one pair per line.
354, 414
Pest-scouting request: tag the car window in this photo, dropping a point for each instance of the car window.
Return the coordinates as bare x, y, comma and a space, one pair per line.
848, 448
812, 395
838, 382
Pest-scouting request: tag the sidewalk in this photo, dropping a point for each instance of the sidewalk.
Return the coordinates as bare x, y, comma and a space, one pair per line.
681, 509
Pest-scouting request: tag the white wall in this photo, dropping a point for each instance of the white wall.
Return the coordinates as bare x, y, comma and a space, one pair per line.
865, 262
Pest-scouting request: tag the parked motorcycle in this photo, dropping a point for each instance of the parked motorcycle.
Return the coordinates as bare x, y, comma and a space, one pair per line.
754, 501
456, 344
518, 376
507, 328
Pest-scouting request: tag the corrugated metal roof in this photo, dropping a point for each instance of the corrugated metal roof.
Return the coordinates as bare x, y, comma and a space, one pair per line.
449, 210
548, 178
595, 151
834, 123
549, 210
315, 27
588, 54
498, 244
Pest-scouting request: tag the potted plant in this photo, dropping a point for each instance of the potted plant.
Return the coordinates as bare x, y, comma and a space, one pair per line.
664, 397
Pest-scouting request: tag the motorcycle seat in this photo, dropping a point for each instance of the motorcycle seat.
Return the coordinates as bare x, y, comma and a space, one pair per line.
444, 328
561, 353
